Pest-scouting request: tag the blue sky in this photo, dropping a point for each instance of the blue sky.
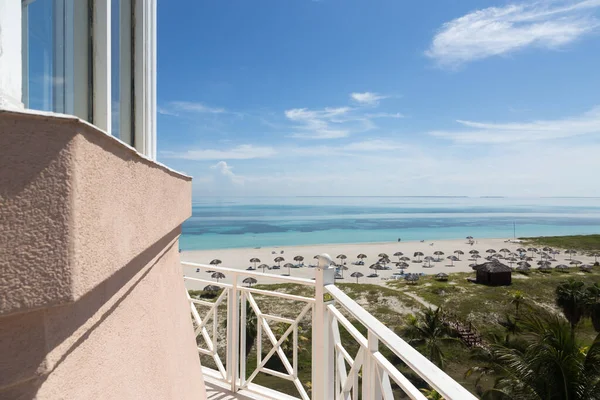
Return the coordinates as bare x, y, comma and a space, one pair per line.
349, 97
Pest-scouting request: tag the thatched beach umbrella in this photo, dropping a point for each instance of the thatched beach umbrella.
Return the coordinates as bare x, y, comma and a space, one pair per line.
562, 267
405, 258
575, 262
398, 254
504, 250
532, 250
586, 268
522, 268
595, 255
289, 267
383, 255
521, 250
278, 260
469, 237
547, 249
411, 278
356, 275
264, 266
452, 259
402, 265
255, 261
545, 268
215, 262
512, 260
384, 261
341, 257
361, 256
490, 251
524, 264
299, 259
570, 252
544, 263
218, 275
211, 288
249, 281
475, 256
429, 259
376, 267
418, 254
459, 252
438, 254
210, 271
343, 268
441, 276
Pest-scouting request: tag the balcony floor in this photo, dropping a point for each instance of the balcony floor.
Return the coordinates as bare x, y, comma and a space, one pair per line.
218, 391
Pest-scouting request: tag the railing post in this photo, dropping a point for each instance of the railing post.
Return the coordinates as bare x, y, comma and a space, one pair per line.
322, 338
233, 331
371, 382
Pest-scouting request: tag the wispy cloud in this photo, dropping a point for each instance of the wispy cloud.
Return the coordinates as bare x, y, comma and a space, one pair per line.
482, 132
176, 108
501, 30
319, 124
241, 152
338, 122
223, 172
367, 98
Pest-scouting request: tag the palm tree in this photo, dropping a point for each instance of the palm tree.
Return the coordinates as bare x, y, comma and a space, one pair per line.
251, 327
552, 364
517, 299
427, 331
571, 299
593, 304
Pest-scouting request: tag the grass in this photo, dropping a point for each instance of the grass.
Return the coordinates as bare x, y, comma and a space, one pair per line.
576, 242
482, 306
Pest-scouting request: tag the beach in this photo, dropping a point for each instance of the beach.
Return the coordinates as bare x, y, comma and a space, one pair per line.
238, 258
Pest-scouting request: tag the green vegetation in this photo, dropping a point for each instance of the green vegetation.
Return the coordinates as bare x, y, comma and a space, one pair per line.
541, 330
576, 242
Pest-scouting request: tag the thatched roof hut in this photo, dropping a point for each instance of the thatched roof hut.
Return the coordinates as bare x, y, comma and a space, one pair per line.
493, 273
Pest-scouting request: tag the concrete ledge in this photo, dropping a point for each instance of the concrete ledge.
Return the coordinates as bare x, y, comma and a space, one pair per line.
77, 206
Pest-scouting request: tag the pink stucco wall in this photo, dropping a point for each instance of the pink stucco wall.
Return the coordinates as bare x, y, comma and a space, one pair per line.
92, 301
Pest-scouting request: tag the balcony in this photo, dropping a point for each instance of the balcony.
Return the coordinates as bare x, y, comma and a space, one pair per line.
351, 352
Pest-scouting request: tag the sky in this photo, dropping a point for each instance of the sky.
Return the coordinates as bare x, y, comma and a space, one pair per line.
381, 97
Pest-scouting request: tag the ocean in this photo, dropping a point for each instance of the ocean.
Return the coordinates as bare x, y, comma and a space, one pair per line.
286, 221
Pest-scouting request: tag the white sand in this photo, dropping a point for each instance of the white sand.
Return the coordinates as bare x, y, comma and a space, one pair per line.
239, 258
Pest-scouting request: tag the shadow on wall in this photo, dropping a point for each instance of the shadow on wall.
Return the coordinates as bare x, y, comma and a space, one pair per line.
71, 317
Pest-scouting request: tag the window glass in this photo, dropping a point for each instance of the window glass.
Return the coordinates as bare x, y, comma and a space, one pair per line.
48, 55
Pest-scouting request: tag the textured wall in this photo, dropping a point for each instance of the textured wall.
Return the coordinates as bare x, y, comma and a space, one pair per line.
92, 301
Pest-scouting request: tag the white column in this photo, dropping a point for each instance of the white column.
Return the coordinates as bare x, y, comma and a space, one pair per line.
102, 65
10, 55
322, 337
144, 60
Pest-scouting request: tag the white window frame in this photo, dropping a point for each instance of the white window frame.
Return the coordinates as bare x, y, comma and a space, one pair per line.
137, 69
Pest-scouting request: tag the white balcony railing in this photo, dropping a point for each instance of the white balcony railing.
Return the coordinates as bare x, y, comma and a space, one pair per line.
335, 373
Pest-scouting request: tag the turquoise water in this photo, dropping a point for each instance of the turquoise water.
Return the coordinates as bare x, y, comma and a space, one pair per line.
285, 221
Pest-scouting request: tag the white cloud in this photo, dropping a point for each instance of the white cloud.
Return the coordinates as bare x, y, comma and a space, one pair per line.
481, 132
367, 98
241, 152
327, 123
176, 107
384, 115
501, 30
